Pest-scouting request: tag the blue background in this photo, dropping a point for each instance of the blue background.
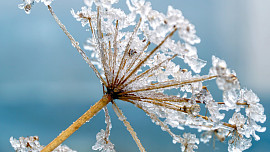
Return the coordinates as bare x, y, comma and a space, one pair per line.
45, 85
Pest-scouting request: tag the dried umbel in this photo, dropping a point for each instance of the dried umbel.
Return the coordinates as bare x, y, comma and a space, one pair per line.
132, 72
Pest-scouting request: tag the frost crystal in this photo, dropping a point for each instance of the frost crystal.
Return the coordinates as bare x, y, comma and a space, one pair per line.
28, 4
102, 143
129, 71
189, 142
27, 144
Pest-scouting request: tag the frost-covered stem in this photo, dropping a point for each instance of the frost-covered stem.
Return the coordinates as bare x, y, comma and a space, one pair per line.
153, 117
123, 60
181, 109
121, 117
173, 83
115, 50
78, 123
75, 44
135, 59
108, 122
148, 72
237, 103
138, 66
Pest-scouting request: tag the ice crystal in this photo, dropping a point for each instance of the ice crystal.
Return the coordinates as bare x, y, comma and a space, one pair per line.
129, 71
103, 143
27, 144
28, 4
189, 142
238, 144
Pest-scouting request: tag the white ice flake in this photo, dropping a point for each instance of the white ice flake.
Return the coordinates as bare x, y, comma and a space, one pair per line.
226, 79
31, 144
189, 142
28, 4
102, 144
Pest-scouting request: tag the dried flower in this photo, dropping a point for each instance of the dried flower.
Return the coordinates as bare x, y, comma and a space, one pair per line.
131, 72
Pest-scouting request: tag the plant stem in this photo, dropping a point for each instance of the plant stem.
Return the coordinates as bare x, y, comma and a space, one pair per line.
78, 123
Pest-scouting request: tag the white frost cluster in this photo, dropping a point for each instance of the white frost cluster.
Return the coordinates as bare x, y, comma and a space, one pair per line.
154, 27
28, 4
31, 144
102, 143
189, 142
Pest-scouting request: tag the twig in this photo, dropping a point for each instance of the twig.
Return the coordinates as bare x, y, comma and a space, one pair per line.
76, 45
78, 123
121, 117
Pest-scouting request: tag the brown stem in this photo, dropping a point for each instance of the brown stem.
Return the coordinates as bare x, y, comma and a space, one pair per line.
76, 45
173, 83
78, 123
138, 66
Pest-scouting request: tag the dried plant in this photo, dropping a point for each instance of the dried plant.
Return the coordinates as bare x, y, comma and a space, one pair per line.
129, 71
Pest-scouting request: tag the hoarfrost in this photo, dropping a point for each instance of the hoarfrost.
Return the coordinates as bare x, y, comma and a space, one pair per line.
26, 144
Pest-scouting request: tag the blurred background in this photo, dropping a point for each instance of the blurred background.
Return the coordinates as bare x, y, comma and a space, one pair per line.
45, 85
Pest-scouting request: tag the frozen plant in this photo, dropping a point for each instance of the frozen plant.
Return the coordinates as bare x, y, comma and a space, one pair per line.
131, 72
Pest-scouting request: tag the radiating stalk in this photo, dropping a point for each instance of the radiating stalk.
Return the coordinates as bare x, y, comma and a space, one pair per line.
154, 117
121, 117
147, 72
76, 44
171, 84
123, 60
77, 124
115, 52
138, 66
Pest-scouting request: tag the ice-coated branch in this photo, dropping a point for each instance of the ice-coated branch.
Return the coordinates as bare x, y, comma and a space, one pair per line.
121, 117
76, 44
139, 65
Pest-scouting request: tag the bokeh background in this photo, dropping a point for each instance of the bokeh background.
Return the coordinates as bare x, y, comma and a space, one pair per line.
45, 85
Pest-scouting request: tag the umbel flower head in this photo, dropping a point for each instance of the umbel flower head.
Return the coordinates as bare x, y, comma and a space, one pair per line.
133, 54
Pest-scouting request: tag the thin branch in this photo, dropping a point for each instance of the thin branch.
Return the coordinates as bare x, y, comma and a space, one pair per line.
108, 122
181, 109
76, 44
138, 66
147, 72
123, 60
157, 97
90, 24
153, 117
135, 59
115, 49
237, 103
110, 57
169, 84
121, 117
101, 46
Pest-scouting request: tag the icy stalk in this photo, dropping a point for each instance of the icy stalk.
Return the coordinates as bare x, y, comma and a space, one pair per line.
78, 123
